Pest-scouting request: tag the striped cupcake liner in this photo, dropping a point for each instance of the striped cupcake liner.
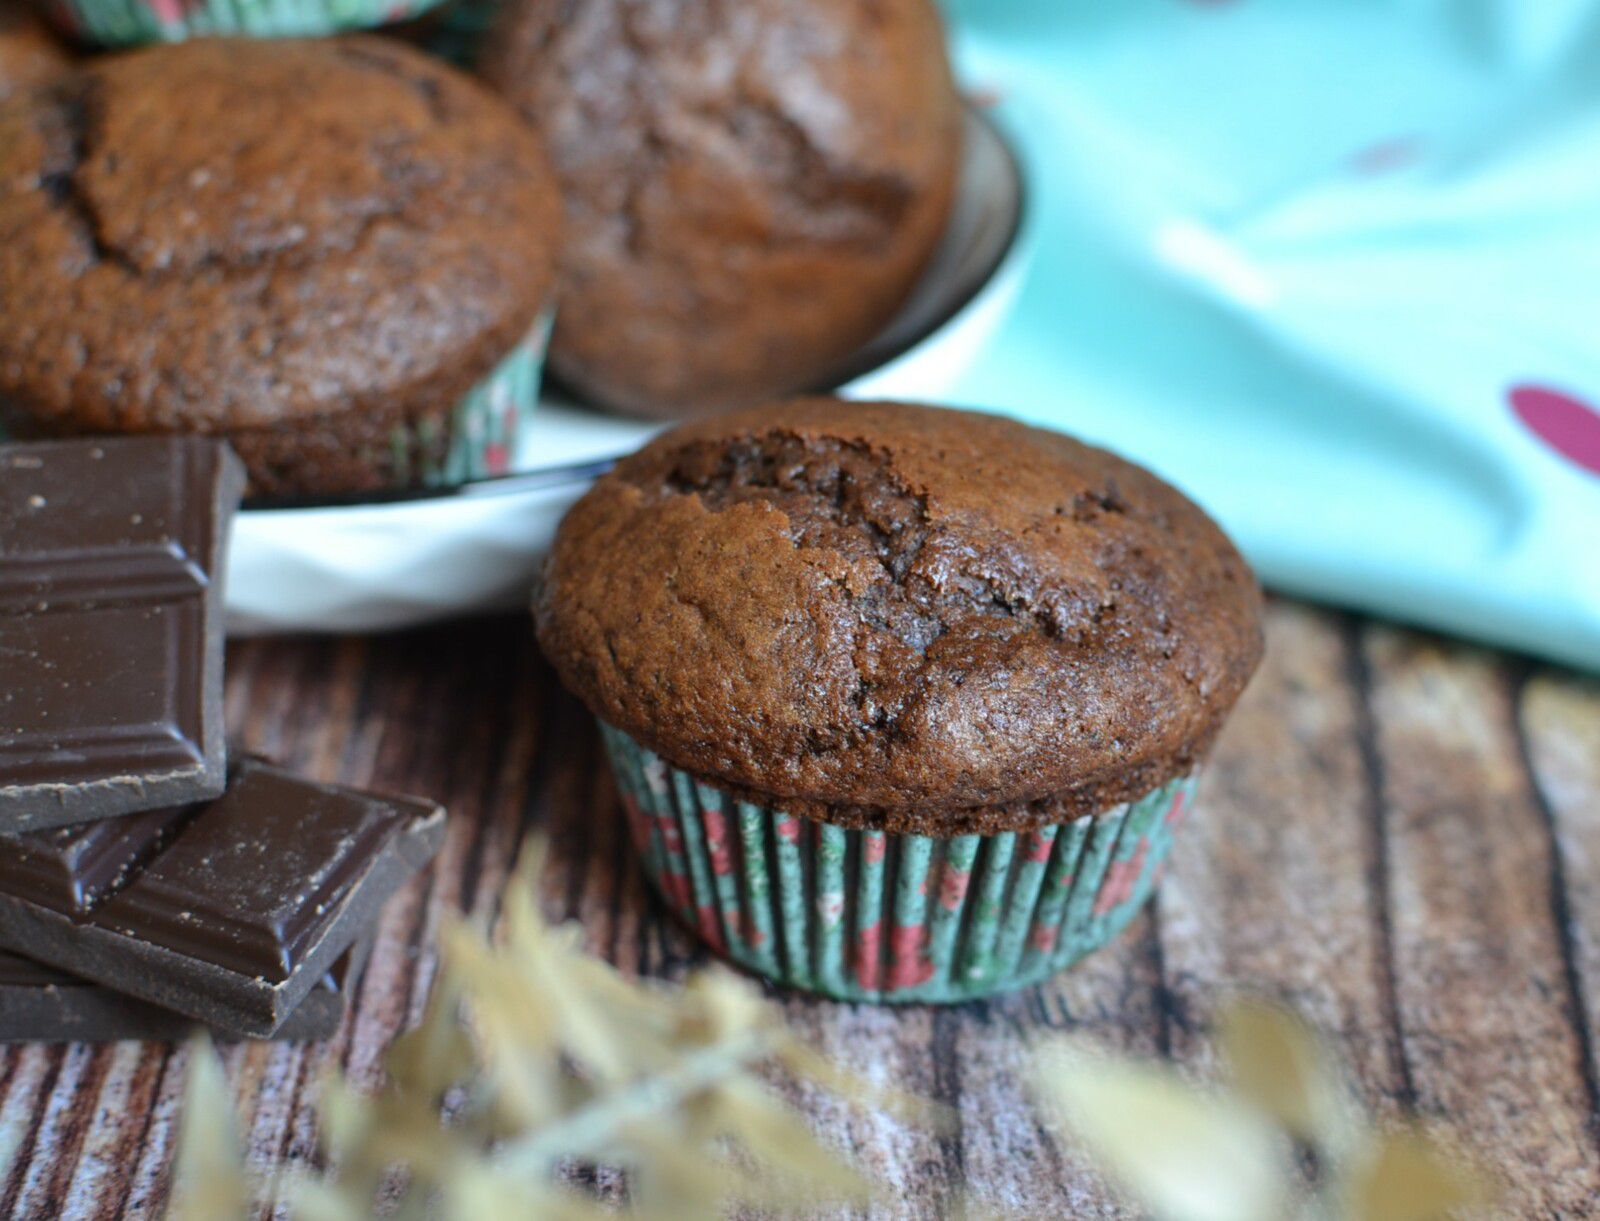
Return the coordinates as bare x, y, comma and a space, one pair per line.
484, 429
126, 23
873, 916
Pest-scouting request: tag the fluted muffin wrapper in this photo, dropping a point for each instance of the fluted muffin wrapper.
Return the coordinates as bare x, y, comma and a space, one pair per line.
864, 915
484, 429
127, 23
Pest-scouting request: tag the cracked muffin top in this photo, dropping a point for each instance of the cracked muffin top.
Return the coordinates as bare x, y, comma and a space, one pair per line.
242, 233
904, 617
751, 187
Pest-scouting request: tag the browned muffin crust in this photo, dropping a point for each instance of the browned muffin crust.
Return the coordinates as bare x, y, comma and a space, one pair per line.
751, 186
904, 617
29, 54
267, 240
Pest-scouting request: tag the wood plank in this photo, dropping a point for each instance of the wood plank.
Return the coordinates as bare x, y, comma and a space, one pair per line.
117, 1112
1560, 723
1481, 990
148, 1171
1275, 887
52, 1078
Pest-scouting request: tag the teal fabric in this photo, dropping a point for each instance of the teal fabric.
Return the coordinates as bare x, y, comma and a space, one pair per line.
1308, 260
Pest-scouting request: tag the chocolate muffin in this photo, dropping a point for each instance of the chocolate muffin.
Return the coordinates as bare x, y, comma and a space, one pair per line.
29, 54
751, 190
945, 641
326, 251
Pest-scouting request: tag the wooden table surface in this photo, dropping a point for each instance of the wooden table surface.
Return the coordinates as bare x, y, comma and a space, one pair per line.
1398, 835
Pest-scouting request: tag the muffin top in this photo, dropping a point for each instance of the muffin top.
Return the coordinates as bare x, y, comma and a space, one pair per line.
904, 617
751, 188
235, 233
29, 54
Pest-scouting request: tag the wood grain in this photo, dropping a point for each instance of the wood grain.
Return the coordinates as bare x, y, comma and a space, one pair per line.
1399, 836
1279, 888
1485, 1010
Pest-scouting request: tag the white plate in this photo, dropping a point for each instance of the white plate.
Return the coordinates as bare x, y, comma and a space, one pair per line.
396, 563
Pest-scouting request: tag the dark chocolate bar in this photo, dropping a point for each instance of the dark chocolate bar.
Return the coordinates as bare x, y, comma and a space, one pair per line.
228, 911
39, 1004
111, 563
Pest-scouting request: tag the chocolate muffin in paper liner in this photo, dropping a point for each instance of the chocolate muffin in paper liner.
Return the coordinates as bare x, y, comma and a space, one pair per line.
337, 254
959, 673
751, 190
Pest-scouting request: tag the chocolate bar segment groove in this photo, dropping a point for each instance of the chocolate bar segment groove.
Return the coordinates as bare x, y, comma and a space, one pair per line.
228, 911
111, 564
227, 893
69, 869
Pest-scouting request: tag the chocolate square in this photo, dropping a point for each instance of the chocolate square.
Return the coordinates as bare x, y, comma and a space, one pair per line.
111, 565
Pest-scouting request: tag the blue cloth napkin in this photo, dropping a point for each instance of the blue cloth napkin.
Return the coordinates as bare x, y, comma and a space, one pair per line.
1333, 267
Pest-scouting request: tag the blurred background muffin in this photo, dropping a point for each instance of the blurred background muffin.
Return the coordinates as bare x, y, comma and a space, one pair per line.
751, 189
337, 254
29, 54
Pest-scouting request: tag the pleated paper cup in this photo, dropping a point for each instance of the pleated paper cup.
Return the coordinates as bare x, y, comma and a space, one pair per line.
872, 916
131, 23
483, 431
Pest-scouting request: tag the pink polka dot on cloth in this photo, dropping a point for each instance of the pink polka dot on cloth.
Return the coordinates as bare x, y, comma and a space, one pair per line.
1562, 421
1386, 155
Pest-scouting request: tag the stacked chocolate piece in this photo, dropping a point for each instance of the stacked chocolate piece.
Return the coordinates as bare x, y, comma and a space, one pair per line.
147, 881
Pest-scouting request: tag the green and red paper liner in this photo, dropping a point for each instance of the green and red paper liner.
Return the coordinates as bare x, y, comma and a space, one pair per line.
484, 429
866, 915
129, 23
